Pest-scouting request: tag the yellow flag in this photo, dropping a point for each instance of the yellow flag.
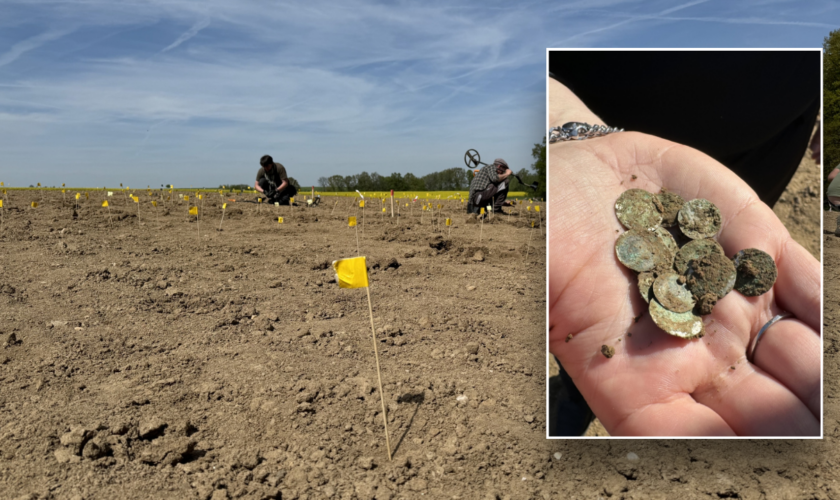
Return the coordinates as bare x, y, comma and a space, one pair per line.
34, 204
448, 222
352, 222
528, 208
154, 203
1, 184
63, 191
259, 200
481, 210
120, 184
105, 203
532, 223
62, 184
520, 202
351, 273
39, 184
78, 196
439, 206
170, 186
200, 197
292, 200
279, 220
194, 211
362, 204
537, 208
87, 196
383, 209
1, 203
224, 206
136, 199
186, 198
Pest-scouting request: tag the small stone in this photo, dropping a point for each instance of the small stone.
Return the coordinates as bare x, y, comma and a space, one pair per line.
569, 337
632, 457
63, 456
365, 463
151, 428
558, 456
76, 439
529, 419
607, 351
471, 288
472, 347
478, 256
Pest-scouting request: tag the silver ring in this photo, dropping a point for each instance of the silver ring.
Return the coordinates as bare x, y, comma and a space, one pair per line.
751, 353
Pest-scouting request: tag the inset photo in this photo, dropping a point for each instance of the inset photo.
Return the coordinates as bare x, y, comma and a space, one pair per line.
684, 243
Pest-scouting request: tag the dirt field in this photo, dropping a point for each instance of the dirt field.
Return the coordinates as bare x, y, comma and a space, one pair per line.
138, 362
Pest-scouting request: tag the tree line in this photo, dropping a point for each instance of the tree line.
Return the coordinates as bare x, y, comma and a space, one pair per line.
451, 179
831, 101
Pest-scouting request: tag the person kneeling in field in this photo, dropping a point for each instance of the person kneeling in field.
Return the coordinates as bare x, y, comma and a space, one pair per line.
489, 187
273, 182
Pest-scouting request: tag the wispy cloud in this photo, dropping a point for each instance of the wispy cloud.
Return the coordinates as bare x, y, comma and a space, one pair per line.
29, 44
200, 25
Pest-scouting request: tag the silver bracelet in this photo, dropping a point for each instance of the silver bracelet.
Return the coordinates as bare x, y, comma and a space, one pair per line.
576, 131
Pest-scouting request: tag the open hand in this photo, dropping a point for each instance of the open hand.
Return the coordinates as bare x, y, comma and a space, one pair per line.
657, 384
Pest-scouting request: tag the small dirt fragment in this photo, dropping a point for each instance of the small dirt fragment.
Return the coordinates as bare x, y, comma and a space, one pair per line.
569, 337
608, 351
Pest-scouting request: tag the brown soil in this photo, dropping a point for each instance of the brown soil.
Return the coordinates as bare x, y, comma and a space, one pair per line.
141, 361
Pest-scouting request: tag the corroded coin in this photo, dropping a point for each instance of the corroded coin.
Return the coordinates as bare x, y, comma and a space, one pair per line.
635, 210
756, 272
669, 204
672, 294
686, 325
646, 280
639, 249
694, 250
713, 274
666, 259
699, 219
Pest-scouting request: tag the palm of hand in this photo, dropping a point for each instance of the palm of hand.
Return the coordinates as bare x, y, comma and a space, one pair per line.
657, 384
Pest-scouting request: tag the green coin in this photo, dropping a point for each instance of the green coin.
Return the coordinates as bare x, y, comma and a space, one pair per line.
699, 219
639, 250
686, 325
635, 209
665, 260
646, 280
695, 250
714, 274
756, 272
672, 294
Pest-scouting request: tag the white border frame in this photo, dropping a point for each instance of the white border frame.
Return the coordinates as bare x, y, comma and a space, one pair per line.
822, 256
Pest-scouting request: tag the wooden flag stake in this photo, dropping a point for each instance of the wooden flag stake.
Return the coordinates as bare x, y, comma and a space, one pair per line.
223, 216
379, 374
529, 241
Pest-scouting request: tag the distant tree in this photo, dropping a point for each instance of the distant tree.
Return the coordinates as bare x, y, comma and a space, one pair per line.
831, 101
538, 154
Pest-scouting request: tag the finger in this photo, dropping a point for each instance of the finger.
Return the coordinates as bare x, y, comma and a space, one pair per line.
786, 352
798, 289
680, 417
754, 404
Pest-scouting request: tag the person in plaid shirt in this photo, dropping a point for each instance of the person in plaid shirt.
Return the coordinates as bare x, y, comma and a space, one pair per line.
490, 185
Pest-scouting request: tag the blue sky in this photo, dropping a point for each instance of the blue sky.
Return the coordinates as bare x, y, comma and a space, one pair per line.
95, 93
